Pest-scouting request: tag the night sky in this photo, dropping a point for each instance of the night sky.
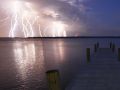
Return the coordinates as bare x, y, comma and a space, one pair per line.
80, 18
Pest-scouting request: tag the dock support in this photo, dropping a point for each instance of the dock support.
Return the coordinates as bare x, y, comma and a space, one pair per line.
97, 45
110, 45
95, 48
113, 47
53, 78
88, 55
119, 54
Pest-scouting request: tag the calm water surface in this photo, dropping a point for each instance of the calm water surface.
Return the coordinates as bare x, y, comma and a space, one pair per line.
23, 63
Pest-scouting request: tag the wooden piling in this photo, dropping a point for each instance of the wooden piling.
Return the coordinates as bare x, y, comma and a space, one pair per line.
110, 45
53, 78
97, 45
113, 47
95, 48
88, 55
119, 54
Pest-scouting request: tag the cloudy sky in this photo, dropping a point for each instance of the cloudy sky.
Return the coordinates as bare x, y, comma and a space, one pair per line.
33, 18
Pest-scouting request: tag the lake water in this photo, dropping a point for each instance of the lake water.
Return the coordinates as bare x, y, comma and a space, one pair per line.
23, 62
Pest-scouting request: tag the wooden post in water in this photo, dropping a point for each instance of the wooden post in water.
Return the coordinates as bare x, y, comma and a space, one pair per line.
110, 44
113, 47
95, 48
119, 54
53, 78
88, 55
97, 45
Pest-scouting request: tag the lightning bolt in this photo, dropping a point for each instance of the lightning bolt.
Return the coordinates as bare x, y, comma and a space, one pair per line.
26, 19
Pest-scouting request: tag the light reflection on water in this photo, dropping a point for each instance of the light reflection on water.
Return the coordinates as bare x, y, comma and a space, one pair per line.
33, 58
61, 50
23, 63
54, 54
27, 62
24, 58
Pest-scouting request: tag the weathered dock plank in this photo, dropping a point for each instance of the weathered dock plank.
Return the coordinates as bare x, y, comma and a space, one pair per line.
102, 73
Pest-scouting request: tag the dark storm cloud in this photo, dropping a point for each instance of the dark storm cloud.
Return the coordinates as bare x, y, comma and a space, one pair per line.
72, 13
93, 17
65, 9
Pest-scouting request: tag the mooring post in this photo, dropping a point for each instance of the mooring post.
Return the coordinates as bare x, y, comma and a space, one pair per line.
88, 55
119, 54
53, 78
110, 45
113, 47
97, 45
95, 48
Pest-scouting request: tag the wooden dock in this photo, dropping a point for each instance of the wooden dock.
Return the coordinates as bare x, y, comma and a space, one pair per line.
101, 73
